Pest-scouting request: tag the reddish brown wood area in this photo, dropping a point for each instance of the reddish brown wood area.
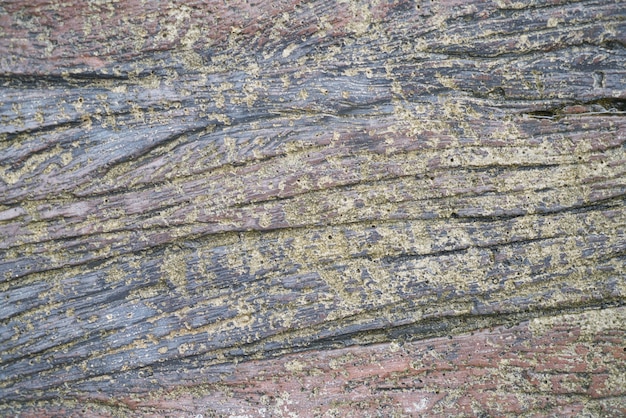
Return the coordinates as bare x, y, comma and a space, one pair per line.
567, 365
313, 208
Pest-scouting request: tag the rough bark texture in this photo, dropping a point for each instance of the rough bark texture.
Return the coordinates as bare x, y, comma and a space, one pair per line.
392, 208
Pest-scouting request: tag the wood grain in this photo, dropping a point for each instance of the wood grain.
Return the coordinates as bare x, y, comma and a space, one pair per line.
194, 195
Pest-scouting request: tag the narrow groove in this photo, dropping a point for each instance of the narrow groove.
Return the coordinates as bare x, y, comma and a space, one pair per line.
9, 136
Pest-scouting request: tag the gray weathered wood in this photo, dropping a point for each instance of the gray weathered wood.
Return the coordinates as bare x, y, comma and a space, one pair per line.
187, 186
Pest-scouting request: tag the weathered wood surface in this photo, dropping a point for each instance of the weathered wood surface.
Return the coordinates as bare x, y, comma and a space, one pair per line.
325, 208
532, 369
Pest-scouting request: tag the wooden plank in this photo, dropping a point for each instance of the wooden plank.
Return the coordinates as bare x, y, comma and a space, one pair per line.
192, 194
530, 369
